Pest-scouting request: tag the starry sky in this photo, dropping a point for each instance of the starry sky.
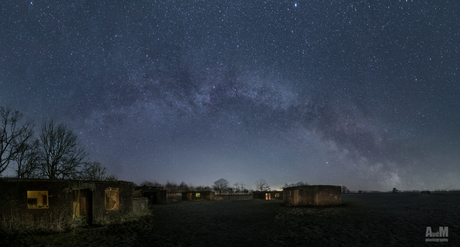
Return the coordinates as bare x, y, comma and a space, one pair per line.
357, 93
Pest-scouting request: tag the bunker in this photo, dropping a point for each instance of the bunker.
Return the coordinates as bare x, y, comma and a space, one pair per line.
155, 195
198, 195
39, 199
268, 195
313, 195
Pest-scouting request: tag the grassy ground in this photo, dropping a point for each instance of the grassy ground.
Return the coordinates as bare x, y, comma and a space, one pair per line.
363, 220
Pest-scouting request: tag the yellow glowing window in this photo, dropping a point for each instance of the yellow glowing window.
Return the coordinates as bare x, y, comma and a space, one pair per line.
277, 195
197, 194
37, 199
112, 199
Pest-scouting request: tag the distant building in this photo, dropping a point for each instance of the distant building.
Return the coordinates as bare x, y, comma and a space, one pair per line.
268, 195
233, 197
198, 195
39, 199
313, 195
155, 195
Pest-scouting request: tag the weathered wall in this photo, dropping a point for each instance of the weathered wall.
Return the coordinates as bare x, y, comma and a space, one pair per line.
62, 198
155, 197
100, 213
258, 195
272, 195
277, 195
140, 205
328, 195
233, 197
155, 194
193, 195
313, 195
14, 199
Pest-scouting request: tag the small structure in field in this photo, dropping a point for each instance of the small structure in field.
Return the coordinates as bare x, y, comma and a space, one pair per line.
140, 205
313, 195
40, 199
206, 195
425, 192
155, 195
267, 195
233, 197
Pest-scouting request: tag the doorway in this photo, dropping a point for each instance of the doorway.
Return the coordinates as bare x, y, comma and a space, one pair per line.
82, 206
296, 197
268, 196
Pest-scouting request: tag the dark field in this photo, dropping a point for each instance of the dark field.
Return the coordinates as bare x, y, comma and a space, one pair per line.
363, 220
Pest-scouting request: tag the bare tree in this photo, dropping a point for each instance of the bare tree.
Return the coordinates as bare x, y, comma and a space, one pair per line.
60, 154
262, 185
239, 188
202, 188
14, 133
171, 186
94, 171
148, 183
183, 186
286, 185
220, 185
236, 188
27, 160
111, 178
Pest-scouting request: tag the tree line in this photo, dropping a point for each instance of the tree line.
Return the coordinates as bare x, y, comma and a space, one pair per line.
52, 153
221, 186
173, 187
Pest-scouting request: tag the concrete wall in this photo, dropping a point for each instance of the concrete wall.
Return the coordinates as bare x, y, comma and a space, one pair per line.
14, 203
140, 205
198, 195
313, 195
100, 212
65, 199
233, 197
268, 195
155, 195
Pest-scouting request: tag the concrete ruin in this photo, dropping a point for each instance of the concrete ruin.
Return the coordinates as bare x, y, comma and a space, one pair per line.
313, 195
155, 195
140, 205
268, 195
233, 197
38, 199
198, 195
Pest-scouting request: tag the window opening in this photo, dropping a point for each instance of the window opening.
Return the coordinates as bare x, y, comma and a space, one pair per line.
37, 200
112, 199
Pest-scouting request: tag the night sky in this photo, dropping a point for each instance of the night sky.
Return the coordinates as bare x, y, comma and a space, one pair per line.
357, 93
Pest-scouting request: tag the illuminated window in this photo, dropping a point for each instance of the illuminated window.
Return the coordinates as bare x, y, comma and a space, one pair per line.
277, 195
197, 194
112, 199
37, 200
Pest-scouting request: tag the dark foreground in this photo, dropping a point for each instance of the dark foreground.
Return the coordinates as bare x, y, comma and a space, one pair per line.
363, 220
